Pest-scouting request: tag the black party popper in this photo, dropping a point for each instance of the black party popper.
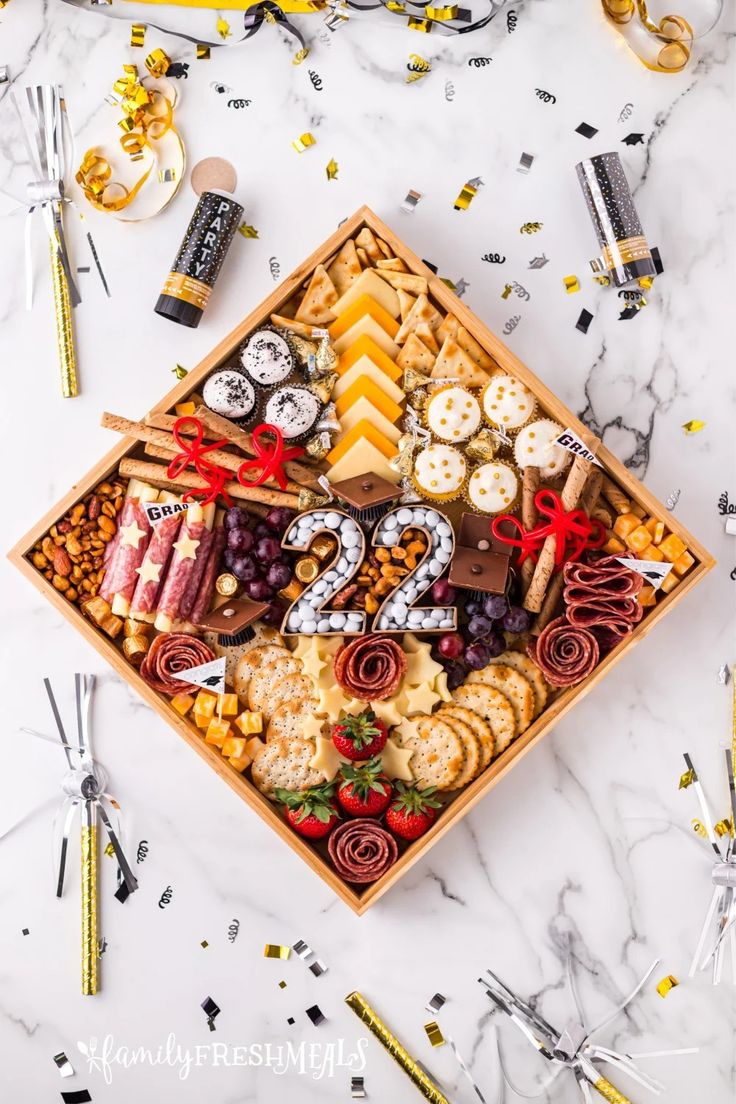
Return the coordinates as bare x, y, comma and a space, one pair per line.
197, 265
626, 255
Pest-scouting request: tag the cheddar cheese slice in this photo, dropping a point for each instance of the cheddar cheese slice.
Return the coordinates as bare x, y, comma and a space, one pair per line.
366, 367
362, 409
362, 306
363, 457
362, 429
365, 388
369, 283
366, 346
370, 328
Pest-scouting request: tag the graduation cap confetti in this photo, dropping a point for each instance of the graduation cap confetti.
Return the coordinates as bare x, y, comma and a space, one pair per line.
633, 139
211, 1011
586, 130
332, 169
64, 1066
538, 262
584, 321
525, 163
316, 1015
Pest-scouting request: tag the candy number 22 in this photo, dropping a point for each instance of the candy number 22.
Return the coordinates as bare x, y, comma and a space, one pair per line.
310, 613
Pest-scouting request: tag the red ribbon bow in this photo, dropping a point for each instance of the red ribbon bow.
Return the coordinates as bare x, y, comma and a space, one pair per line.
194, 453
268, 456
574, 530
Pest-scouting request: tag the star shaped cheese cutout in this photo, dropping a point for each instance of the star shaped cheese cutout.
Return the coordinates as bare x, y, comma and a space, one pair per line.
408, 728
324, 645
411, 643
131, 534
186, 547
327, 758
355, 706
313, 727
421, 667
387, 711
332, 701
395, 761
440, 686
312, 661
149, 571
420, 699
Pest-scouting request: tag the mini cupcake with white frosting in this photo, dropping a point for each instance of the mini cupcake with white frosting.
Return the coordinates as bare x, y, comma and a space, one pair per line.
535, 447
266, 358
452, 413
439, 472
293, 410
229, 394
507, 403
493, 488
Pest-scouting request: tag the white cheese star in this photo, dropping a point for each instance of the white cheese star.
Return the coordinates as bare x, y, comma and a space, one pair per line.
131, 534
186, 547
149, 571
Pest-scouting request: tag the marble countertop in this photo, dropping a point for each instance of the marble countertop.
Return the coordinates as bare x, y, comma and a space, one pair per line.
585, 842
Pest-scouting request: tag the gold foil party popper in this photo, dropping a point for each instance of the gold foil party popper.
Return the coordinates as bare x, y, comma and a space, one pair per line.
84, 786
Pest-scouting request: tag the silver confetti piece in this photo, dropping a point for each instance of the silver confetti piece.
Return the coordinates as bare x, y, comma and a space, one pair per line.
672, 500
435, 1003
525, 163
539, 262
63, 1064
357, 1088
724, 675
4, 74
412, 198
309, 958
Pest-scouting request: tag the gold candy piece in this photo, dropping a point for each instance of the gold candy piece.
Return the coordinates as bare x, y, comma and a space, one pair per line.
135, 648
226, 584
307, 569
310, 500
304, 142
322, 388
276, 950
414, 379
318, 446
292, 591
483, 446
323, 547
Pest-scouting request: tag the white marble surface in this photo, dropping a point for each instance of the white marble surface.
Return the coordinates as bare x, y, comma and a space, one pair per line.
588, 835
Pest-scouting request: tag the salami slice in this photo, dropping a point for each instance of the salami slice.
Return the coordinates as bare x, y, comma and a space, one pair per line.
182, 565
564, 654
601, 596
192, 587
203, 600
370, 667
150, 580
172, 654
362, 851
602, 578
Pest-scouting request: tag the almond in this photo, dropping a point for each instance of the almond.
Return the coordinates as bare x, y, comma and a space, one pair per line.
62, 563
93, 508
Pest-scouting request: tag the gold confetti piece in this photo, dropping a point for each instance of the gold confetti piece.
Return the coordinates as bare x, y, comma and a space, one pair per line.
204, 944
572, 284
724, 827
667, 983
645, 282
180, 372
418, 64
506, 291
463, 201
441, 14
602, 279
166, 176
530, 227
276, 950
203, 52
412, 77
686, 779
158, 63
395, 6
331, 170
248, 231
434, 1034
693, 426
137, 34
109, 850
304, 142
282, 985
699, 829
300, 55
422, 25
223, 28
269, 17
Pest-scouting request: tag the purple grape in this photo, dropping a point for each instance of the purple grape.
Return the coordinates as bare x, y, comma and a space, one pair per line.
274, 615
240, 540
477, 656
473, 606
267, 550
479, 625
244, 568
455, 675
495, 606
278, 575
495, 644
258, 590
279, 517
229, 557
516, 620
235, 517
261, 530
443, 593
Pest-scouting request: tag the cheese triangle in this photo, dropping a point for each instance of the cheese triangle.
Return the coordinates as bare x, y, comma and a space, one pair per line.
370, 283
361, 458
362, 430
366, 346
365, 388
363, 408
365, 367
357, 310
368, 327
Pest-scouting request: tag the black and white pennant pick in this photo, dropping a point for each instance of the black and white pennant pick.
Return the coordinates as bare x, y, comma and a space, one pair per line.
210, 676
569, 440
653, 571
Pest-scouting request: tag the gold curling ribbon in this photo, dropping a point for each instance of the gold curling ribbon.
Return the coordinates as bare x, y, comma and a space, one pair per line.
609, 1092
663, 47
148, 115
89, 910
429, 1090
64, 331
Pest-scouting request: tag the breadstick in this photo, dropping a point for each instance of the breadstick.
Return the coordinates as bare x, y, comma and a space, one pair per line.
545, 564
588, 499
529, 517
615, 496
156, 474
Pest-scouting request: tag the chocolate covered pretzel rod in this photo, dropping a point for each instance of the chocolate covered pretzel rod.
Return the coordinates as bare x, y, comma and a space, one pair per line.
529, 518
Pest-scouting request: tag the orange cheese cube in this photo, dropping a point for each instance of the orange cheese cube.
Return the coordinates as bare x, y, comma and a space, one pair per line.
638, 538
182, 703
366, 346
240, 763
683, 563
669, 583
362, 430
364, 304
366, 388
205, 704
651, 524
624, 524
234, 745
672, 547
614, 547
253, 745
200, 719
659, 532
647, 596
217, 732
249, 723
230, 705
651, 552
185, 409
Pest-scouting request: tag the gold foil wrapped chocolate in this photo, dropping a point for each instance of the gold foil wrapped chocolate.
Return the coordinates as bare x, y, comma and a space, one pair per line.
329, 421
413, 379
326, 357
403, 462
301, 347
318, 446
483, 446
307, 569
419, 401
135, 648
226, 584
322, 387
292, 591
323, 546
310, 500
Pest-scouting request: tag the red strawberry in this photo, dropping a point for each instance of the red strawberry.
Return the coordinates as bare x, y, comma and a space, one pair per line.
360, 737
412, 811
311, 813
364, 790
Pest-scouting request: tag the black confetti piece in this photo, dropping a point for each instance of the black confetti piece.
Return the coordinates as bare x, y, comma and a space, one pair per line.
178, 69
211, 1011
627, 313
545, 97
291, 1021
586, 130
493, 258
634, 139
238, 103
122, 893
479, 62
233, 929
429, 265
142, 851
316, 1015
625, 112
165, 897
316, 80
204, 944
83, 268
511, 21
435, 1003
26, 931
282, 985
584, 321
79, 1096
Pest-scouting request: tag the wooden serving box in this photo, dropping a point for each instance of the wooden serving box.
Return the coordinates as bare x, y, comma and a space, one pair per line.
360, 901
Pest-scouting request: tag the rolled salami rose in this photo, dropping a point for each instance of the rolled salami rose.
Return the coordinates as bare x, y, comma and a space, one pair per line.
362, 850
370, 667
564, 654
173, 654
601, 596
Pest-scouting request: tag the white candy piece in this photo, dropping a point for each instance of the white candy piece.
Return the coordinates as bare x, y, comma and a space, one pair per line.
334, 521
